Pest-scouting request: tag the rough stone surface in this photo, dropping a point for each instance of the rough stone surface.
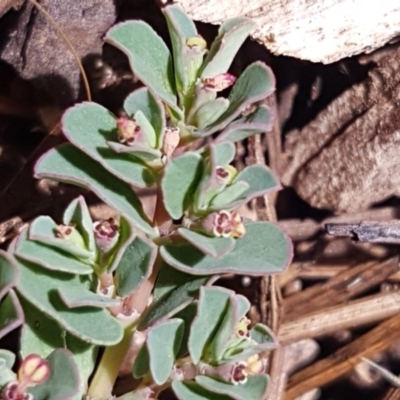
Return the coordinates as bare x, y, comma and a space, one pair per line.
316, 30
38, 53
348, 157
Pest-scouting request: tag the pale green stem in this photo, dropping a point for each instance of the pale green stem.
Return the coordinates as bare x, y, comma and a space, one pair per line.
107, 371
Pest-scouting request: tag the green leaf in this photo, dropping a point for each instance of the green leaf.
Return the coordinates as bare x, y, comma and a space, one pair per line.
39, 286
7, 360
231, 36
212, 306
49, 257
223, 153
74, 297
261, 121
41, 335
89, 126
7, 357
187, 315
146, 127
254, 84
178, 184
208, 113
64, 379
181, 28
163, 343
11, 314
243, 305
135, 265
253, 389
189, 390
260, 180
148, 56
144, 100
227, 197
78, 213
142, 152
212, 246
173, 291
8, 273
264, 249
43, 230
141, 365
68, 164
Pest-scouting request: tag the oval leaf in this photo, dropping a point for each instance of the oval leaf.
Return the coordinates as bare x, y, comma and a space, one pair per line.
213, 246
68, 164
148, 56
163, 343
264, 249
178, 184
89, 126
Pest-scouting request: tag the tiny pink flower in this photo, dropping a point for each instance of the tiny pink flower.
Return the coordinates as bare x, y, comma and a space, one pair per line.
106, 233
128, 130
226, 174
171, 141
219, 82
228, 224
239, 374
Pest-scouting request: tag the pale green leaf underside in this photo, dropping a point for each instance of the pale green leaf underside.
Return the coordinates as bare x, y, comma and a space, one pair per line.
39, 286
189, 390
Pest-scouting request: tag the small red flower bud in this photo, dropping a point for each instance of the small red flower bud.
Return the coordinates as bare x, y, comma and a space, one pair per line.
34, 370
219, 82
228, 224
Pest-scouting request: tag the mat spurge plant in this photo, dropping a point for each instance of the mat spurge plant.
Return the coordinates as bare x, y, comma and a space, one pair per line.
140, 286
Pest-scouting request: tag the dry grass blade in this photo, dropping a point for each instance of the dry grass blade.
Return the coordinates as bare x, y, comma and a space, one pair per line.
340, 288
343, 360
392, 394
354, 314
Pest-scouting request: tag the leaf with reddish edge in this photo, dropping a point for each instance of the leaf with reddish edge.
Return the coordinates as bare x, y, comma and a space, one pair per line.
142, 152
222, 153
78, 213
264, 249
231, 36
39, 286
67, 164
251, 182
261, 121
148, 56
212, 246
189, 390
89, 126
181, 28
74, 297
64, 380
49, 257
8, 273
41, 335
43, 230
11, 314
256, 83
144, 100
253, 389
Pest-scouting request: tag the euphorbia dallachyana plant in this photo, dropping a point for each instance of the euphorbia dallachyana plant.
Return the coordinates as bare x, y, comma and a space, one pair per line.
140, 287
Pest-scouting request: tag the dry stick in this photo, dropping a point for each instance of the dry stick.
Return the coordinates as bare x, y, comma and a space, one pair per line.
344, 360
357, 313
274, 144
392, 394
340, 288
